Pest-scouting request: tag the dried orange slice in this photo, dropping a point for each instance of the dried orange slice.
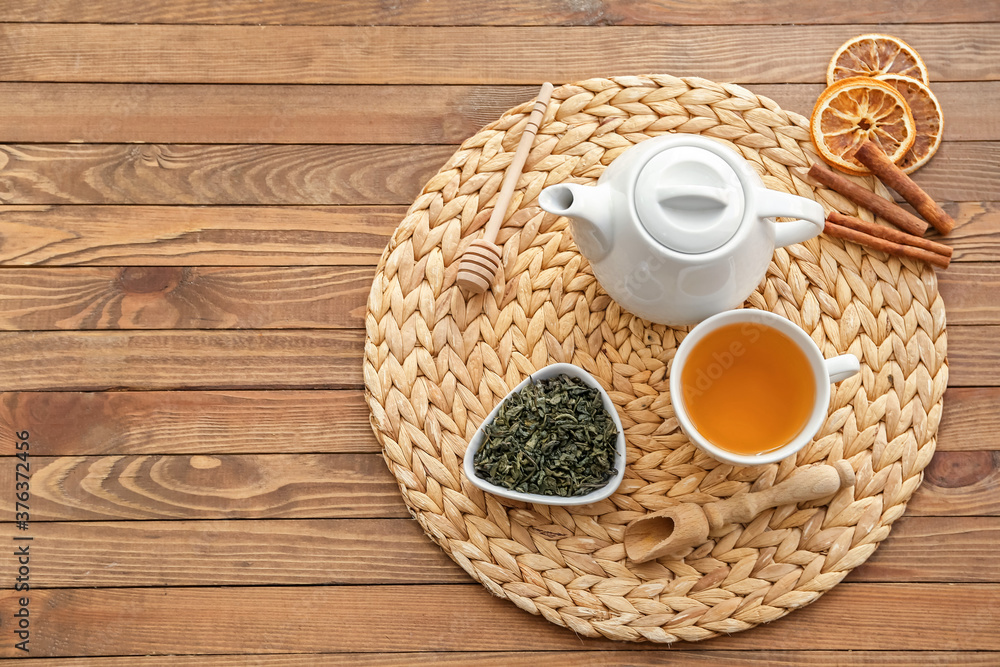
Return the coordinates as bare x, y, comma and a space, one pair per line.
871, 55
926, 114
859, 108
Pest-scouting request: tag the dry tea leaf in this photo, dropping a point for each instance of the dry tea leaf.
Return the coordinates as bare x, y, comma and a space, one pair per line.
553, 438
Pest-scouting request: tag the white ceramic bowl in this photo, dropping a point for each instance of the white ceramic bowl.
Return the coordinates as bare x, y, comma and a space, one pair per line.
593, 496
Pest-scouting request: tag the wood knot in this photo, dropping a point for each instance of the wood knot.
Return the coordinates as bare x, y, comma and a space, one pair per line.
150, 155
150, 279
954, 470
202, 462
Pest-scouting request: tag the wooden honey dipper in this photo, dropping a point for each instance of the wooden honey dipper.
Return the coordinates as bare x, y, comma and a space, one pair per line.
672, 530
481, 261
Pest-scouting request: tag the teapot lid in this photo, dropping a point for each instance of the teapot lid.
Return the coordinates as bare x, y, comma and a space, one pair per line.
689, 199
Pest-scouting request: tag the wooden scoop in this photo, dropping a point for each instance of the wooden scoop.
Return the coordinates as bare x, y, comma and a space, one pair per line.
672, 530
481, 260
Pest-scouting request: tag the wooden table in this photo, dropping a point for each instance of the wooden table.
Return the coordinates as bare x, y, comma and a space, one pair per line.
195, 194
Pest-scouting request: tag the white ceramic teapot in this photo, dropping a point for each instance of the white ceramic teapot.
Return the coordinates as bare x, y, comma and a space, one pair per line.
680, 227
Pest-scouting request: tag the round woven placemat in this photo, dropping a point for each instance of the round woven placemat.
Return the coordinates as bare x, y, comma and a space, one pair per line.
435, 364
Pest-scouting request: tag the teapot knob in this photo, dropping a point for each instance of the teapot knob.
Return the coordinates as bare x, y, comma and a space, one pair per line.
694, 197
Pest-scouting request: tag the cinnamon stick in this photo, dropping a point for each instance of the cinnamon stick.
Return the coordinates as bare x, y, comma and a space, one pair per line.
870, 155
888, 233
893, 248
871, 201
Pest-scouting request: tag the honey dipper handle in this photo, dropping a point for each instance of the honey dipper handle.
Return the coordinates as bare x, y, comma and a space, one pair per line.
809, 484
513, 172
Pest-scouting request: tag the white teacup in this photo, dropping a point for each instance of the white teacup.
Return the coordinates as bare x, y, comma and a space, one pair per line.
824, 371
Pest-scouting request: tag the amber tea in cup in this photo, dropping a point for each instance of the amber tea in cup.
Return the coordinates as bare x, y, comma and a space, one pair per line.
748, 388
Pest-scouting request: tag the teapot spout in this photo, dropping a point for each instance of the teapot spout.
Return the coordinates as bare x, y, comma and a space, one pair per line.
589, 211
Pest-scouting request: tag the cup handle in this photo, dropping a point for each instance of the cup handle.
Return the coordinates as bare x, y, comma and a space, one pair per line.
842, 367
774, 204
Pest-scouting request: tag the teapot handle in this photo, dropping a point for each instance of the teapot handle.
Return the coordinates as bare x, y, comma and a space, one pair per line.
772, 204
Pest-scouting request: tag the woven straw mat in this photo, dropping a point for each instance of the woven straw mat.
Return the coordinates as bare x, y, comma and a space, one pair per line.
436, 364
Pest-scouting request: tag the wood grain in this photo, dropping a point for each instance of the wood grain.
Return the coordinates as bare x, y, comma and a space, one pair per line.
195, 236
97, 298
253, 114
180, 297
187, 422
951, 174
976, 237
521, 12
319, 552
288, 422
257, 175
969, 291
959, 483
192, 196
319, 486
64, 235
143, 621
348, 114
227, 486
971, 421
149, 360
612, 657
88, 53
973, 356
172, 174
279, 359
957, 549
233, 553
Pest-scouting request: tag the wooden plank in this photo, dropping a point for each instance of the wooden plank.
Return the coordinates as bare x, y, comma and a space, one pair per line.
971, 421
322, 486
90, 53
231, 553
950, 176
978, 240
973, 356
521, 12
390, 551
258, 175
253, 114
279, 359
187, 422
288, 422
268, 236
964, 120
175, 297
229, 486
969, 291
610, 657
321, 175
196, 236
150, 360
928, 549
295, 114
92, 298
144, 621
